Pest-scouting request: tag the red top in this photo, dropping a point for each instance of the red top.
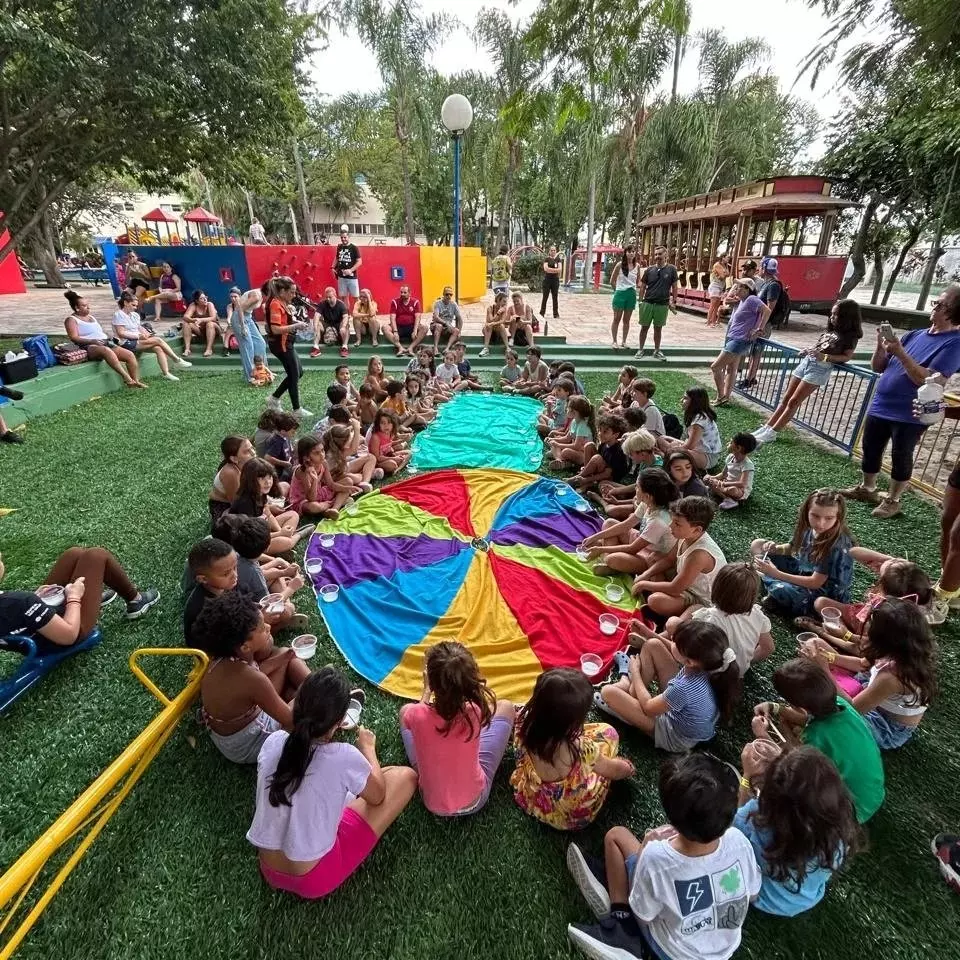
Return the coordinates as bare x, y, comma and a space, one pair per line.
280, 318
406, 313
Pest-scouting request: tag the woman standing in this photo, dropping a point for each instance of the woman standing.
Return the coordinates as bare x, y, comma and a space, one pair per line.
85, 331
835, 346
200, 320
624, 281
169, 291
244, 327
281, 331
718, 282
551, 281
133, 337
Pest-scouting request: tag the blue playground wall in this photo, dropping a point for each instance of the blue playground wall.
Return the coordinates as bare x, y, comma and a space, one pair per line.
199, 268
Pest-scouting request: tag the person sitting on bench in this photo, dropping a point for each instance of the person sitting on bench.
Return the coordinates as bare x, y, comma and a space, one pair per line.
91, 577
85, 331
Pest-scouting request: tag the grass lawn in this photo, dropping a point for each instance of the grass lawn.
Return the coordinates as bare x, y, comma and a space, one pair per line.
173, 876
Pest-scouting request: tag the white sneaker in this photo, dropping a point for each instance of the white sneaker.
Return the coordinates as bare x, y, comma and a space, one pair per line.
770, 435
170, 376
938, 612
659, 355
640, 354
485, 352
183, 363
302, 413
728, 504
273, 403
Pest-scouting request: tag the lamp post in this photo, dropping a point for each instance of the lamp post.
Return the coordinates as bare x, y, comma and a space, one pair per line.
456, 115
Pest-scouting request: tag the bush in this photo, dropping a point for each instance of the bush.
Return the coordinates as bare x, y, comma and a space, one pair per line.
528, 269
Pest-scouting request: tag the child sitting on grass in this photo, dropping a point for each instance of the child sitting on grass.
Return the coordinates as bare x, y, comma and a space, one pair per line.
248, 685
376, 378
455, 737
261, 375
447, 372
640, 395
634, 544
312, 493
468, 379
567, 369
696, 557
685, 889
321, 804
384, 445
533, 377
801, 824
640, 449
815, 563
346, 469
235, 452
257, 480
900, 654
701, 437
417, 402
278, 450
614, 402
609, 462
552, 423
735, 482
699, 684
813, 714
367, 407
576, 446
341, 374
683, 472
396, 401
266, 428
510, 372
564, 764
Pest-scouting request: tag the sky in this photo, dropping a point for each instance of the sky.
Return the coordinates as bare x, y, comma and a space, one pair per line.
790, 27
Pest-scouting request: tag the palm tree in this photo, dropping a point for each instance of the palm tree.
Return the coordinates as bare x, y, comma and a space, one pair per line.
401, 37
516, 68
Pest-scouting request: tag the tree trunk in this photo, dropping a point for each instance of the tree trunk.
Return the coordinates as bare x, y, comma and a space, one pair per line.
635, 225
856, 251
677, 59
591, 210
877, 274
936, 251
408, 225
628, 215
506, 198
912, 236
304, 201
47, 252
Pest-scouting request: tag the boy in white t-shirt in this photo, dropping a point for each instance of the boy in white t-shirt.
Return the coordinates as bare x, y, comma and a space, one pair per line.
734, 484
683, 892
642, 391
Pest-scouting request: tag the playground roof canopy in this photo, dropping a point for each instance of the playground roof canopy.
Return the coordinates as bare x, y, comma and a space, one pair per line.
199, 215
159, 215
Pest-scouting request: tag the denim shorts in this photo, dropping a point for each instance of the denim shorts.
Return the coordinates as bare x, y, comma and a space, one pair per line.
736, 346
888, 732
810, 370
348, 287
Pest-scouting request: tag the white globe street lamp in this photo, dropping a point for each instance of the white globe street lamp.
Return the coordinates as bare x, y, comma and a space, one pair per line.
456, 115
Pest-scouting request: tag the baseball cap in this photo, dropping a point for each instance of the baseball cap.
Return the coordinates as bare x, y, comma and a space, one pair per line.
769, 264
748, 282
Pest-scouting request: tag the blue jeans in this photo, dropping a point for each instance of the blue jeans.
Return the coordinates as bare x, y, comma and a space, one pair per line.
795, 601
251, 344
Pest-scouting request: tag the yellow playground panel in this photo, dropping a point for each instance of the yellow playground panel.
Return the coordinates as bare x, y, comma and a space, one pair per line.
436, 271
89, 813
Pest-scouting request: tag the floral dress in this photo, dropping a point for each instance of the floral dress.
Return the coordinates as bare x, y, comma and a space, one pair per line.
573, 802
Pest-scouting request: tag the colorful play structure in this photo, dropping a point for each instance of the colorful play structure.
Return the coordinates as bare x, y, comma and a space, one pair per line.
209, 229
215, 268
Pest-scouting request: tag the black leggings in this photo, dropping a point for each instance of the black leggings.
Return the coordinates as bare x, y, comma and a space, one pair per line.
292, 369
551, 287
877, 433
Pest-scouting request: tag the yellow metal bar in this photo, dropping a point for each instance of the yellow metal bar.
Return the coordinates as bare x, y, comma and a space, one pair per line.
94, 807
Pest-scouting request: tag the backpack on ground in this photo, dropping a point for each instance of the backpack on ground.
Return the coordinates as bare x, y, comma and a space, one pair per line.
672, 426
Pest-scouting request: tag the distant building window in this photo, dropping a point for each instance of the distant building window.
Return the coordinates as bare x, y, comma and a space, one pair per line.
176, 207
129, 206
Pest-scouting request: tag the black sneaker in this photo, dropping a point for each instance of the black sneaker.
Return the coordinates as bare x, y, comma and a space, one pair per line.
137, 608
589, 874
609, 939
107, 596
746, 384
10, 393
11, 437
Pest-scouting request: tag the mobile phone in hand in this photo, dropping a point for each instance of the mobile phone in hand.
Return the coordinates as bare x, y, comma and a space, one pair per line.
886, 331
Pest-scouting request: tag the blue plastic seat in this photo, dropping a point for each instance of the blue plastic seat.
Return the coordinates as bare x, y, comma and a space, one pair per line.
36, 666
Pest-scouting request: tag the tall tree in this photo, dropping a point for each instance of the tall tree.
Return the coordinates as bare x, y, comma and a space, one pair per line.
85, 87
401, 36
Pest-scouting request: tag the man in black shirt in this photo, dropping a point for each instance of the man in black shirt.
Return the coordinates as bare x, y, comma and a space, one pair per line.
658, 293
346, 264
332, 314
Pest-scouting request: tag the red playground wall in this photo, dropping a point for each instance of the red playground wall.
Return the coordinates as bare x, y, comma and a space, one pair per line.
11, 280
312, 269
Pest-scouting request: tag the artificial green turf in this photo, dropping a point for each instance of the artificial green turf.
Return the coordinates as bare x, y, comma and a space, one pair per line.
173, 876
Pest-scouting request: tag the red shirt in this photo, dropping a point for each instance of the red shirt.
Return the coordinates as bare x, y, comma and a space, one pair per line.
406, 313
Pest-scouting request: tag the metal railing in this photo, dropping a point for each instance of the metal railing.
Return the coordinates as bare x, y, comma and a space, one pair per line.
89, 813
834, 413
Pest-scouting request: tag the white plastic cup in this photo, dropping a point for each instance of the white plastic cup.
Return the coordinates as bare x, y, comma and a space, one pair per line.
304, 646
609, 624
582, 554
831, 616
326, 539
272, 603
351, 719
314, 566
804, 637
590, 664
614, 592
329, 592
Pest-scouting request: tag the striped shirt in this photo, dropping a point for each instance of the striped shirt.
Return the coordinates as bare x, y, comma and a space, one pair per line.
693, 707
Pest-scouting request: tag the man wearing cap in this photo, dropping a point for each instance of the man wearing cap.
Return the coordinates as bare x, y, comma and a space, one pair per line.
404, 322
657, 289
446, 319
346, 264
769, 292
749, 318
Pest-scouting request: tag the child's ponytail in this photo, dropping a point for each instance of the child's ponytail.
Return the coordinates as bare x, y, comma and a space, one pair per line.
707, 644
320, 706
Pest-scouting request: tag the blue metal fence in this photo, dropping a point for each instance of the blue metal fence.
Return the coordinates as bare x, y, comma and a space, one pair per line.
835, 412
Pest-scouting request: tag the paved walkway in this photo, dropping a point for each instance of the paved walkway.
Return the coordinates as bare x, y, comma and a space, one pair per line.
584, 318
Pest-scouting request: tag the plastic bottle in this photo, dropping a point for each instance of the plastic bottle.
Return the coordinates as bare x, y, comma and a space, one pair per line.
930, 400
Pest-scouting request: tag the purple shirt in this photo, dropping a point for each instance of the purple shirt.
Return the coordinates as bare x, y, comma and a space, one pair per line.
895, 392
745, 318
